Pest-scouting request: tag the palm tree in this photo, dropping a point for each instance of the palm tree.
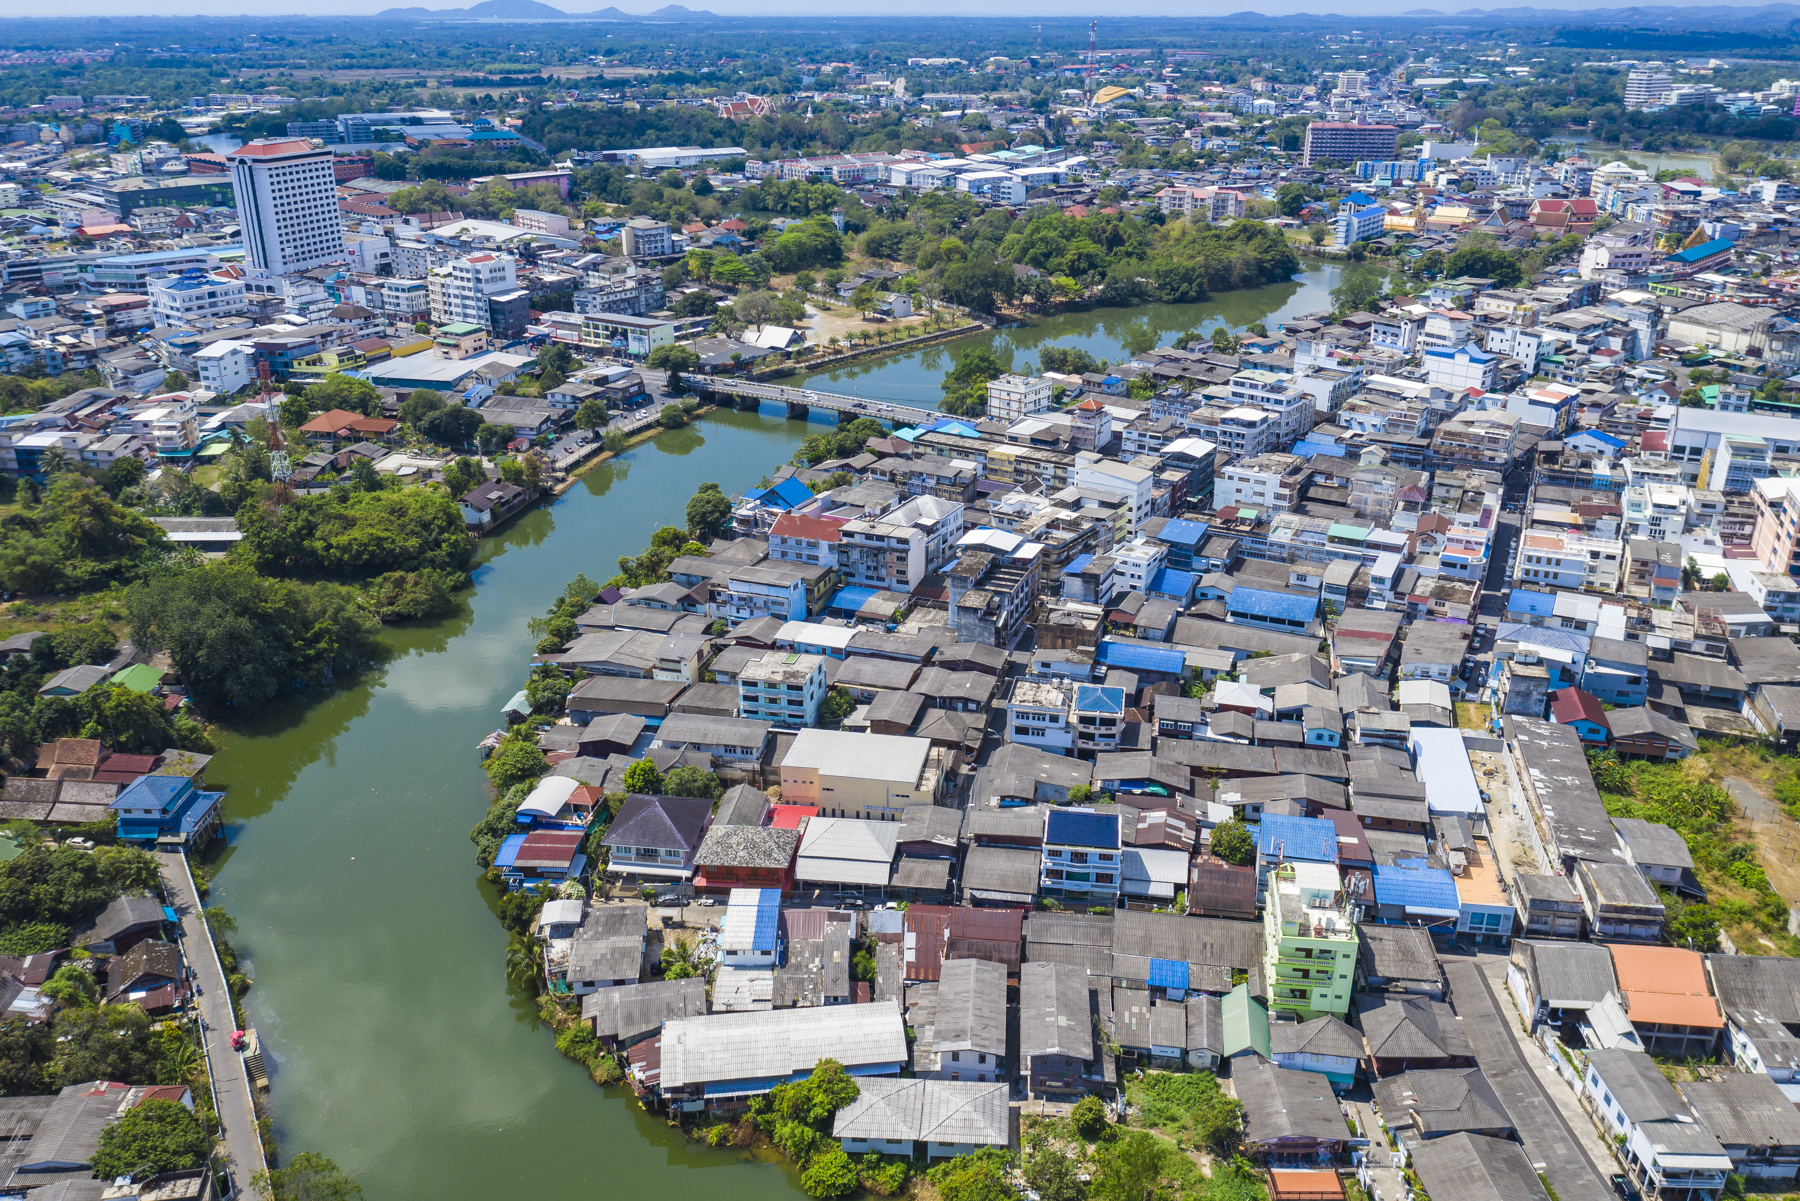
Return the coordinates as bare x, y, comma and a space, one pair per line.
681, 958
181, 1060
524, 963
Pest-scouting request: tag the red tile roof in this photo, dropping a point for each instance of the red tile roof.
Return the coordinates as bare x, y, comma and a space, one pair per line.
1572, 704
271, 147
818, 529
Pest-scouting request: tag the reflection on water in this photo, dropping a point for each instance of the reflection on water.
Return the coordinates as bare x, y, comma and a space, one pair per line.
916, 378
380, 994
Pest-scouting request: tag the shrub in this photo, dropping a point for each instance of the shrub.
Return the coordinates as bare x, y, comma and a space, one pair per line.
831, 1175
1089, 1118
33, 938
153, 1136
1231, 841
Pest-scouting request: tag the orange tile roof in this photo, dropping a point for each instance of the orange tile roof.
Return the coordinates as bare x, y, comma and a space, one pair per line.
1673, 1009
1669, 970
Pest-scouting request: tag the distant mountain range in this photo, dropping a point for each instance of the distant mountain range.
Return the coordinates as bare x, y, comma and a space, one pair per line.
1704, 17
534, 10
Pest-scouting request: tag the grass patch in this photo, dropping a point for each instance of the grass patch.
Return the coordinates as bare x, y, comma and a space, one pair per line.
1472, 715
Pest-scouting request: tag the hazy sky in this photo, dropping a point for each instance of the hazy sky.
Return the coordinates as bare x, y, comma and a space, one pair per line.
1023, 9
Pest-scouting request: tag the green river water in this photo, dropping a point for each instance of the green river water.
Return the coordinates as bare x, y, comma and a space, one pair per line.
395, 1045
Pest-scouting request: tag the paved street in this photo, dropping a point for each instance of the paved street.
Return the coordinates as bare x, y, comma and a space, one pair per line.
1385, 1180
1551, 1140
231, 1083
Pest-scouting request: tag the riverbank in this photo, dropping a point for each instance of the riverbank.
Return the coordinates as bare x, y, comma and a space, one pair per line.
377, 956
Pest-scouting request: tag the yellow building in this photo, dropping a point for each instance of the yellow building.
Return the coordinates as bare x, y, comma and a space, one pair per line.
869, 776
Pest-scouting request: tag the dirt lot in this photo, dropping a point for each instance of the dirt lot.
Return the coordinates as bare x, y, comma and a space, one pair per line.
844, 322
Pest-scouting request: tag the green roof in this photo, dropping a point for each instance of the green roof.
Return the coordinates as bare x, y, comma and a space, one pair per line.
1350, 533
460, 329
1246, 1023
139, 677
212, 449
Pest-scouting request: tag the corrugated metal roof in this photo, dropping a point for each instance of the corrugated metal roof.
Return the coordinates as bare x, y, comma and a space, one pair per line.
1286, 606
1309, 838
1168, 973
752, 917
1113, 652
1429, 890
1064, 827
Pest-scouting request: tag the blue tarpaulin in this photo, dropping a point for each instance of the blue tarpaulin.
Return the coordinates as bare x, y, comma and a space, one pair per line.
1168, 973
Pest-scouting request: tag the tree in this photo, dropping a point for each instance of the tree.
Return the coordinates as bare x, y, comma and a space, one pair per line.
112, 1042
452, 426
830, 1176
1133, 1168
708, 512
1088, 1117
837, 705
670, 357
965, 384
71, 987
419, 404
1067, 360
681, 958
339, 391
1359, 290
1231, 841
692, 782
1053, 1175
308, 1176
1695, 927
593, 414
1482, 258
175, 381
149, 1138
490, 436
1721, 582
517, 760
1290, 198
643, 778
978, 1177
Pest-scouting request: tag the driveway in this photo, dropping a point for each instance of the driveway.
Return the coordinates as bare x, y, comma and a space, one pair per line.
1551, 1140
1756, 806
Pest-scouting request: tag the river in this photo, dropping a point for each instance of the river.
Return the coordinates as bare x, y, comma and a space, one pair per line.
395, 1046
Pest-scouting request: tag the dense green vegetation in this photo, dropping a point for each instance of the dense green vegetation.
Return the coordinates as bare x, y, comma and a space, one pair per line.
155, 1136
1740, 898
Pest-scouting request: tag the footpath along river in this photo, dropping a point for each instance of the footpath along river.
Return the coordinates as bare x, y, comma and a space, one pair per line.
394, 1043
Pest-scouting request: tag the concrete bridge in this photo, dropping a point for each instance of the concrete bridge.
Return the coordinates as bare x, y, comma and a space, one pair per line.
801, 401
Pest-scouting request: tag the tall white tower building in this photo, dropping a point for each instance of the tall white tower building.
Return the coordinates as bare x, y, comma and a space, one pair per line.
287, 205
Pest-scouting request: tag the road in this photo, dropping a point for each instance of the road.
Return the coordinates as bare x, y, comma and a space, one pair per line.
231, 1083
1551, 1140
832, 401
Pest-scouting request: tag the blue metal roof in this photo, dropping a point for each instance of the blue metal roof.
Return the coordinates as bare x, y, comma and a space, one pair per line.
1261, 602
1077, 563
509, 850
1430, 890
1538, 604
1170, 582
1168, 973
786, 494
852, 599
1181, 530
1097, 698
1112, 653
1694, 254
1312, 839
764, 912
1073, 828
151, 792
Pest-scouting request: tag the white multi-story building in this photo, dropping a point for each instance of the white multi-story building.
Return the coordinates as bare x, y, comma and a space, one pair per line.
1270, 482
286, 205
460, 289
1136, 563
1447, 327
1133, 485
809, 540
1648, 86
226, 366
782, 687
1656, 511
1570, 560
895, 551
1354, 224
188, 299
1294, 408
1462, 367
1038, 716
1209, 204
1239, 431
1012, 397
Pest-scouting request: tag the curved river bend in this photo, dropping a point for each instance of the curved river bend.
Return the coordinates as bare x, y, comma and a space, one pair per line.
396, 1047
